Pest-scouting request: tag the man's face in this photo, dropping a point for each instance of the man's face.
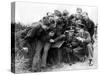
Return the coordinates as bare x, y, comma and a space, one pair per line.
77, 29
78, 21
71, 32
51, 33
80, 30
85, 16
79, 10
78, 15
52, 22
74, 20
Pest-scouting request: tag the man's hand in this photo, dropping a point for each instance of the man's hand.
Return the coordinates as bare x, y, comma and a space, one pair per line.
51, 33
80, 39
25, 49
63, 35
51, 40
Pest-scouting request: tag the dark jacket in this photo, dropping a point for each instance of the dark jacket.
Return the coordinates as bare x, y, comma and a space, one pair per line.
38, 33
89, 24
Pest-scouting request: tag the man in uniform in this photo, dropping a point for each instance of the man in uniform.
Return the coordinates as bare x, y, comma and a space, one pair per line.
59, 22
84, 38
34, 38
50, 36
65, 16
60, 28
42, 34
78, 14
89, 24
69, 35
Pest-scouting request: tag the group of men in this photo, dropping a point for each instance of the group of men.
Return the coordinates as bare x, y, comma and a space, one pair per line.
57, 28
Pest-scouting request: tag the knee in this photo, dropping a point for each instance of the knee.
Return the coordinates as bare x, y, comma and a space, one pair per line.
89, 45
46, 48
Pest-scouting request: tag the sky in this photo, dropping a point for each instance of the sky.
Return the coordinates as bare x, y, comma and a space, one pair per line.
29, 12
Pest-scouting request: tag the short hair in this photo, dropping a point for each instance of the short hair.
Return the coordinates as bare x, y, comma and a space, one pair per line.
79, 9
85, 13
65, 12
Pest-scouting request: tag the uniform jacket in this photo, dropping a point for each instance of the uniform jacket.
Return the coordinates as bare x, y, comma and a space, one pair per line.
89, 26
85, 35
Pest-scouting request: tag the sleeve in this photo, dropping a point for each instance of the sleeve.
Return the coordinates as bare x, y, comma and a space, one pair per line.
88, 37
59, 38
92, 28
31, 33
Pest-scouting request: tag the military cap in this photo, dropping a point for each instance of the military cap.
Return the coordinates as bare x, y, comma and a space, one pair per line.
71, 28
65, 13
57, 13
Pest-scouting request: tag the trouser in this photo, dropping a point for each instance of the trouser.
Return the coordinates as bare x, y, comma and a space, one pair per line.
36, 58
90, 50
31, 52
45, 54
59, 55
